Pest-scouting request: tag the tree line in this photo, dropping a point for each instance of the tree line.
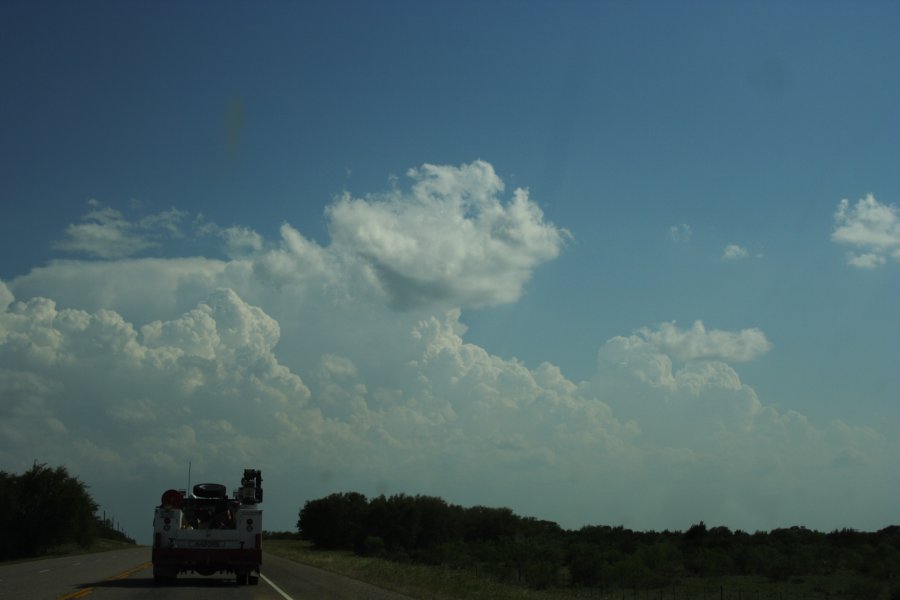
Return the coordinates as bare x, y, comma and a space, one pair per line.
539, 553
45, 507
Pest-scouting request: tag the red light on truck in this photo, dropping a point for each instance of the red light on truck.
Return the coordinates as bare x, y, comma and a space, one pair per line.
172, 499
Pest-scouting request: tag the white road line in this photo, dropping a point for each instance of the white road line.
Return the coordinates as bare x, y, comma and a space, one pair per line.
44, 571
275, 587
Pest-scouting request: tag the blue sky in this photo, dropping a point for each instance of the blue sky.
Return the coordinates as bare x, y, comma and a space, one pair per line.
547, 256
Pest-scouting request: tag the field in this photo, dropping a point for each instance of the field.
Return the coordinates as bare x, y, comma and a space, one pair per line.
418, 581
442, 583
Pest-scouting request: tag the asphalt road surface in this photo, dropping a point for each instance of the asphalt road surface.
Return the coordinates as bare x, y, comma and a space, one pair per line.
128, 574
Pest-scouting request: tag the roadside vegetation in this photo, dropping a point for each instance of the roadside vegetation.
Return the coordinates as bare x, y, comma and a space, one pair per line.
428, 548
415, 580
45, 511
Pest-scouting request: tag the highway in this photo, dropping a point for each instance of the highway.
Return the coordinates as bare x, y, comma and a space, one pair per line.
128, 574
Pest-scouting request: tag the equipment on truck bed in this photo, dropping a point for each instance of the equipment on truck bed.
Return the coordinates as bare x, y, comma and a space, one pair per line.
207, 532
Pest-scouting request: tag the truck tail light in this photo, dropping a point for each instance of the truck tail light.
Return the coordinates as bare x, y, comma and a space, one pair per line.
258, 540
156, 539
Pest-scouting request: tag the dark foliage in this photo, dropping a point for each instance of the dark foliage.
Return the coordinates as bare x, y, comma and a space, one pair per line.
498, 543
336, 521
42, 508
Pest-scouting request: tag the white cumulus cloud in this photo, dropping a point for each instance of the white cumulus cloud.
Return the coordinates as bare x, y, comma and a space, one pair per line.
870, 226
294, 357
734, 252
106, 233
680, 233
449, 241
700, 343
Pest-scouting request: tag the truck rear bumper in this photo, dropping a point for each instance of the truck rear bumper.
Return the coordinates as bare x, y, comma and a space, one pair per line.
207, 559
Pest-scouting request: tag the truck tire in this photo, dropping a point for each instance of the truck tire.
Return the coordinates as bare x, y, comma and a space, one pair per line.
210, 490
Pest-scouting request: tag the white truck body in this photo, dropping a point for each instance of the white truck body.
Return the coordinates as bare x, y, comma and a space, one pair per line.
208, 533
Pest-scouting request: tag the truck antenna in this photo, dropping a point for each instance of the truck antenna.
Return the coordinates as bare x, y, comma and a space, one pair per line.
188, 491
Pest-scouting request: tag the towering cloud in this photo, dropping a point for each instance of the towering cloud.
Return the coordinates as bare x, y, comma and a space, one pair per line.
450, 241
346, 366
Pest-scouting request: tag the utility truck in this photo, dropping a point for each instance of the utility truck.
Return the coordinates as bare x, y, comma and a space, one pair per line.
207, 532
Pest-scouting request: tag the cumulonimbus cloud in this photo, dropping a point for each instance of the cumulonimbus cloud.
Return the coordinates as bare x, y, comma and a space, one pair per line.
309, 361
92, 389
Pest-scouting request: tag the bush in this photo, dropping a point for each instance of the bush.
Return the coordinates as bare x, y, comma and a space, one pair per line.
334, 522
42, 508
497, 543
373, 546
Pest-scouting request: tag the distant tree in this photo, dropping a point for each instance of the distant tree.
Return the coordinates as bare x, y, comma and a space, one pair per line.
9, 507
538, 560
765, 559
502, 545
696, 534
845, 537
397, 521
630, 572
373, 546
414, 525
483, 524
618, 537
588, 564
663, 560
42, 508
708, 551
336, 521
439, 523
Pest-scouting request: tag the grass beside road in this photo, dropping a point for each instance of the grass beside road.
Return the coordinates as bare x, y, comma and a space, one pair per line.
73, 549
441, 583
417, 581
98, 545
